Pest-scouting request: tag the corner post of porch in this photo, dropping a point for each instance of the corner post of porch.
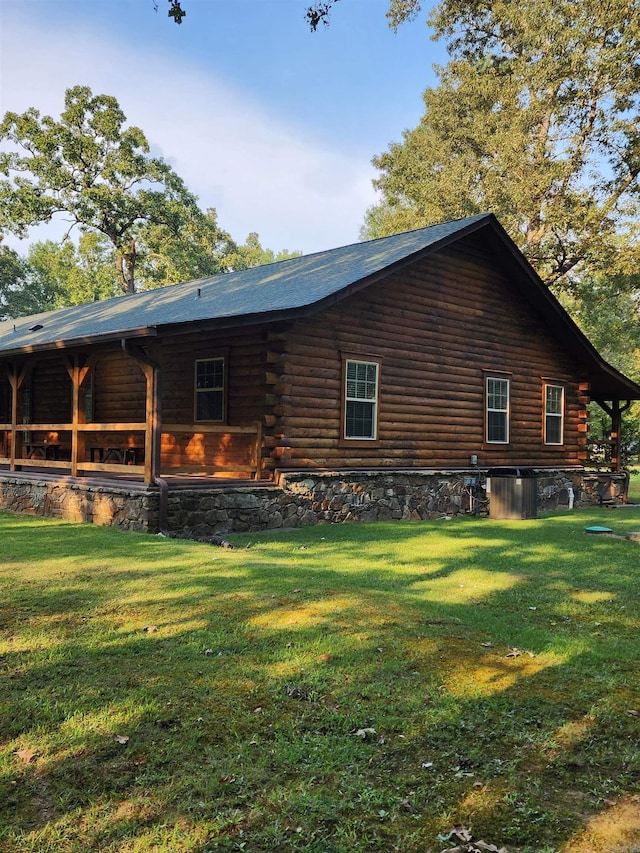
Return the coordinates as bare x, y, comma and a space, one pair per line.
153, 409
77, 374
617, 411
13, 449
153, 418
614, 435
16, 375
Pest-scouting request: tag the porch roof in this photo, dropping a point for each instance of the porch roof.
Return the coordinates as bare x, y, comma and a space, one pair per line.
296, 287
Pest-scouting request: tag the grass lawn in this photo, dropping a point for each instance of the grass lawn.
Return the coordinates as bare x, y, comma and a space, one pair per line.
339, 689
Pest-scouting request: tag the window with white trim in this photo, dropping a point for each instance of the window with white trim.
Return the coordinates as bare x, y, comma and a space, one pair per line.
209, 389
553, 414
497, 412
361, 399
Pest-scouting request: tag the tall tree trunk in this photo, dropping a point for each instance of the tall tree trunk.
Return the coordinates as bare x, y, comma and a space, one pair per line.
126, 265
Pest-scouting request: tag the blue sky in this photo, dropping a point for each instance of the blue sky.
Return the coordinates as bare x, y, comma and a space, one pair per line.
271, 124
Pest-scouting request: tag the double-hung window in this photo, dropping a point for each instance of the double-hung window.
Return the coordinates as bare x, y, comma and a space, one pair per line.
497, 410
209, 389
553, 414
361, 399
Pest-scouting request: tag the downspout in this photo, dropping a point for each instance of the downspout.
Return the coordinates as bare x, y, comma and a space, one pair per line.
156, 416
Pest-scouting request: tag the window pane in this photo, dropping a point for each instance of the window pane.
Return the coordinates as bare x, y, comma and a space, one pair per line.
497, 410
554, 400
496, 426
210, 389
554, 411
209, 406
361, 399
554, 430
359, 420
210, 374
361, 380
497, 394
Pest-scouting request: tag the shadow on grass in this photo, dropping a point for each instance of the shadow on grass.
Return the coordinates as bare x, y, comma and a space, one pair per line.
495, 663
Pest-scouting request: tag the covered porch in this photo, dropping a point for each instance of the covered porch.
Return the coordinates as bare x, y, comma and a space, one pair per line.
120, 450
142, 449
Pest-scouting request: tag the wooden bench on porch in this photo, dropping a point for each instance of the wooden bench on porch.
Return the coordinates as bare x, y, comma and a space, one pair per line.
123, 454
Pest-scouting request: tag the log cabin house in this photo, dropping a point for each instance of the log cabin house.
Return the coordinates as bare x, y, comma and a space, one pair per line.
418, 359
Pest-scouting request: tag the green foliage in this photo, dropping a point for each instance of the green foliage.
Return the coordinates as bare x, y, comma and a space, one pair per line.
608, 311
607, 308
252, 254
74, 274
19, 293
398, 13
535, 119
175, 10
196, 249
344, 688
319, 13
97, 172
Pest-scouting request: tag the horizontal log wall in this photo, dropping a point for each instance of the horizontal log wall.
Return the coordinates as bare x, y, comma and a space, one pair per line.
437, 326
119, 388
201, 450
51, 390
247, 369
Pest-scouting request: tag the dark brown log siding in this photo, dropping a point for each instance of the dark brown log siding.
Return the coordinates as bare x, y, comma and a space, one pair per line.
245, 352
437, 326
119, 388
51, 390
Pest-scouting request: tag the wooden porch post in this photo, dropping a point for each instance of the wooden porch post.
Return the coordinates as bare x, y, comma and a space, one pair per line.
16, 374
153, 416
616, 434
78, 375
615, 411
153, 411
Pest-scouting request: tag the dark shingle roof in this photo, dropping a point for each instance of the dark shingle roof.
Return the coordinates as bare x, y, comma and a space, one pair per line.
287, 286
294, 288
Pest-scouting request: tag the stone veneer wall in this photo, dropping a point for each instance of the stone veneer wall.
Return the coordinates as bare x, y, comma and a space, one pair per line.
299, 499
113, 505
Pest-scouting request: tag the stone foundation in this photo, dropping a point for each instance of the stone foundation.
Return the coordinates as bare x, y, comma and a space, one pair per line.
298, 499
114, 505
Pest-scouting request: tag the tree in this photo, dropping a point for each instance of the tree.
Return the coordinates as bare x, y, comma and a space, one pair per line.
252, 254
13, 276
199, 248
175, 10
399, 11
607, 308
95, 171
53, 276
70, 274
536, 119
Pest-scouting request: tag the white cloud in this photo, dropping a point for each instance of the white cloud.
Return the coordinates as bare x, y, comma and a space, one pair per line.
260, 173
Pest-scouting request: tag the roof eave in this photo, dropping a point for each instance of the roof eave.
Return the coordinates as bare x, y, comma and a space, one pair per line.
74, 343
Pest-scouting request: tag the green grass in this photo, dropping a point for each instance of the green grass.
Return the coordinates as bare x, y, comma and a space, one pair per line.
245, 680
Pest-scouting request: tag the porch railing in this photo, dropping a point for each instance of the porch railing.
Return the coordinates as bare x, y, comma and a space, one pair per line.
32, 449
